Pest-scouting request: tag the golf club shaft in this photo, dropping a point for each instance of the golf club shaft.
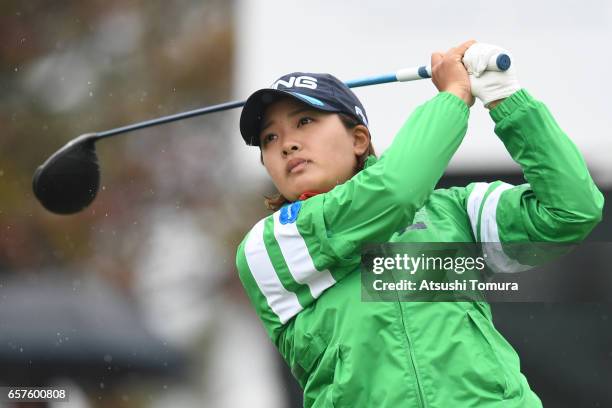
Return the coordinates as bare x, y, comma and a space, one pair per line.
170, 118
499, 62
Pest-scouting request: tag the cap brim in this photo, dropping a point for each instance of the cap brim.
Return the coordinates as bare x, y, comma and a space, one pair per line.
255, 107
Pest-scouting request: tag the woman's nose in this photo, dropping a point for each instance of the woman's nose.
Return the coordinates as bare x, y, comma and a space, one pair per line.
290, 147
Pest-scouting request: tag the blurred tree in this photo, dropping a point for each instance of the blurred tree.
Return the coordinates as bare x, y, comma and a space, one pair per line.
72, 67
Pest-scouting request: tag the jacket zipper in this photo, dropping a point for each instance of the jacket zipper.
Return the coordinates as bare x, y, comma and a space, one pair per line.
416, 373
420, 393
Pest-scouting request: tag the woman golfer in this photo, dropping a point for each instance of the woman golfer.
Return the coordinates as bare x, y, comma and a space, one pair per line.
300, 265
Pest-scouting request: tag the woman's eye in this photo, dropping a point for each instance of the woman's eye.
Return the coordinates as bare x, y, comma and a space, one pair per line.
268, 138
304, 121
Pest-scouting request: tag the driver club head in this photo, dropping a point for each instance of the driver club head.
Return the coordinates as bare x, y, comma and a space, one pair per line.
69, 180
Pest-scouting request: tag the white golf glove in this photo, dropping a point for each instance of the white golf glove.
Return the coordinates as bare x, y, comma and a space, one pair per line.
489, 86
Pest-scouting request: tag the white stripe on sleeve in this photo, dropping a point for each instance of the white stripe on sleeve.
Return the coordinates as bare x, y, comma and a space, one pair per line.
283, 303
488, 220
473, 204
297, 257
489, 235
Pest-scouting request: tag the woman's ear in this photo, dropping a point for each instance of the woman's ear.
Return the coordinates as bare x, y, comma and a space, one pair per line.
361, 139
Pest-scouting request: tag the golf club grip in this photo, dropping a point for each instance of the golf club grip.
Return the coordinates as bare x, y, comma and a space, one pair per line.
499, 62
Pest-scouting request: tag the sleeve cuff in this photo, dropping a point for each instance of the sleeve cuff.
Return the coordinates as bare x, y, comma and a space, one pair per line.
510, 104
454, 99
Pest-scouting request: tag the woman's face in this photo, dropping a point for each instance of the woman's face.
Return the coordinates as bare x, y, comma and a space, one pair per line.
304, 149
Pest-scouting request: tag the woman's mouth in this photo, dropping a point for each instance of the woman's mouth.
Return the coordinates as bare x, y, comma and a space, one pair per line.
297, 165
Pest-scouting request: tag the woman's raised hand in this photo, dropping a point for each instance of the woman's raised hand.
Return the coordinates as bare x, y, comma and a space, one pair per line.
450, 75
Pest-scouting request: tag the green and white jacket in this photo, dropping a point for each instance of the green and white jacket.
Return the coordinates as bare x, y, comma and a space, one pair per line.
300, 266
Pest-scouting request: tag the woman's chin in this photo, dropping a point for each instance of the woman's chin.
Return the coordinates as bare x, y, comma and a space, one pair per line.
307, 185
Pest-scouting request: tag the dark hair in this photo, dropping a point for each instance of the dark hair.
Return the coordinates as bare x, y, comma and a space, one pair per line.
276, 201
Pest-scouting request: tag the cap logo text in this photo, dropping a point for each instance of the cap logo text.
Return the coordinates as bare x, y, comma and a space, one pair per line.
298, 82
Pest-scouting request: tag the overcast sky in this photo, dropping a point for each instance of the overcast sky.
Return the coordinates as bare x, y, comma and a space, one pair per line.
561, 54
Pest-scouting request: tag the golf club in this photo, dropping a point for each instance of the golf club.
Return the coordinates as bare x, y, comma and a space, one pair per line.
68, 181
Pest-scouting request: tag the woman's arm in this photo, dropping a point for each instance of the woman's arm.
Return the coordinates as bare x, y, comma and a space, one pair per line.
560, 203
384, 197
